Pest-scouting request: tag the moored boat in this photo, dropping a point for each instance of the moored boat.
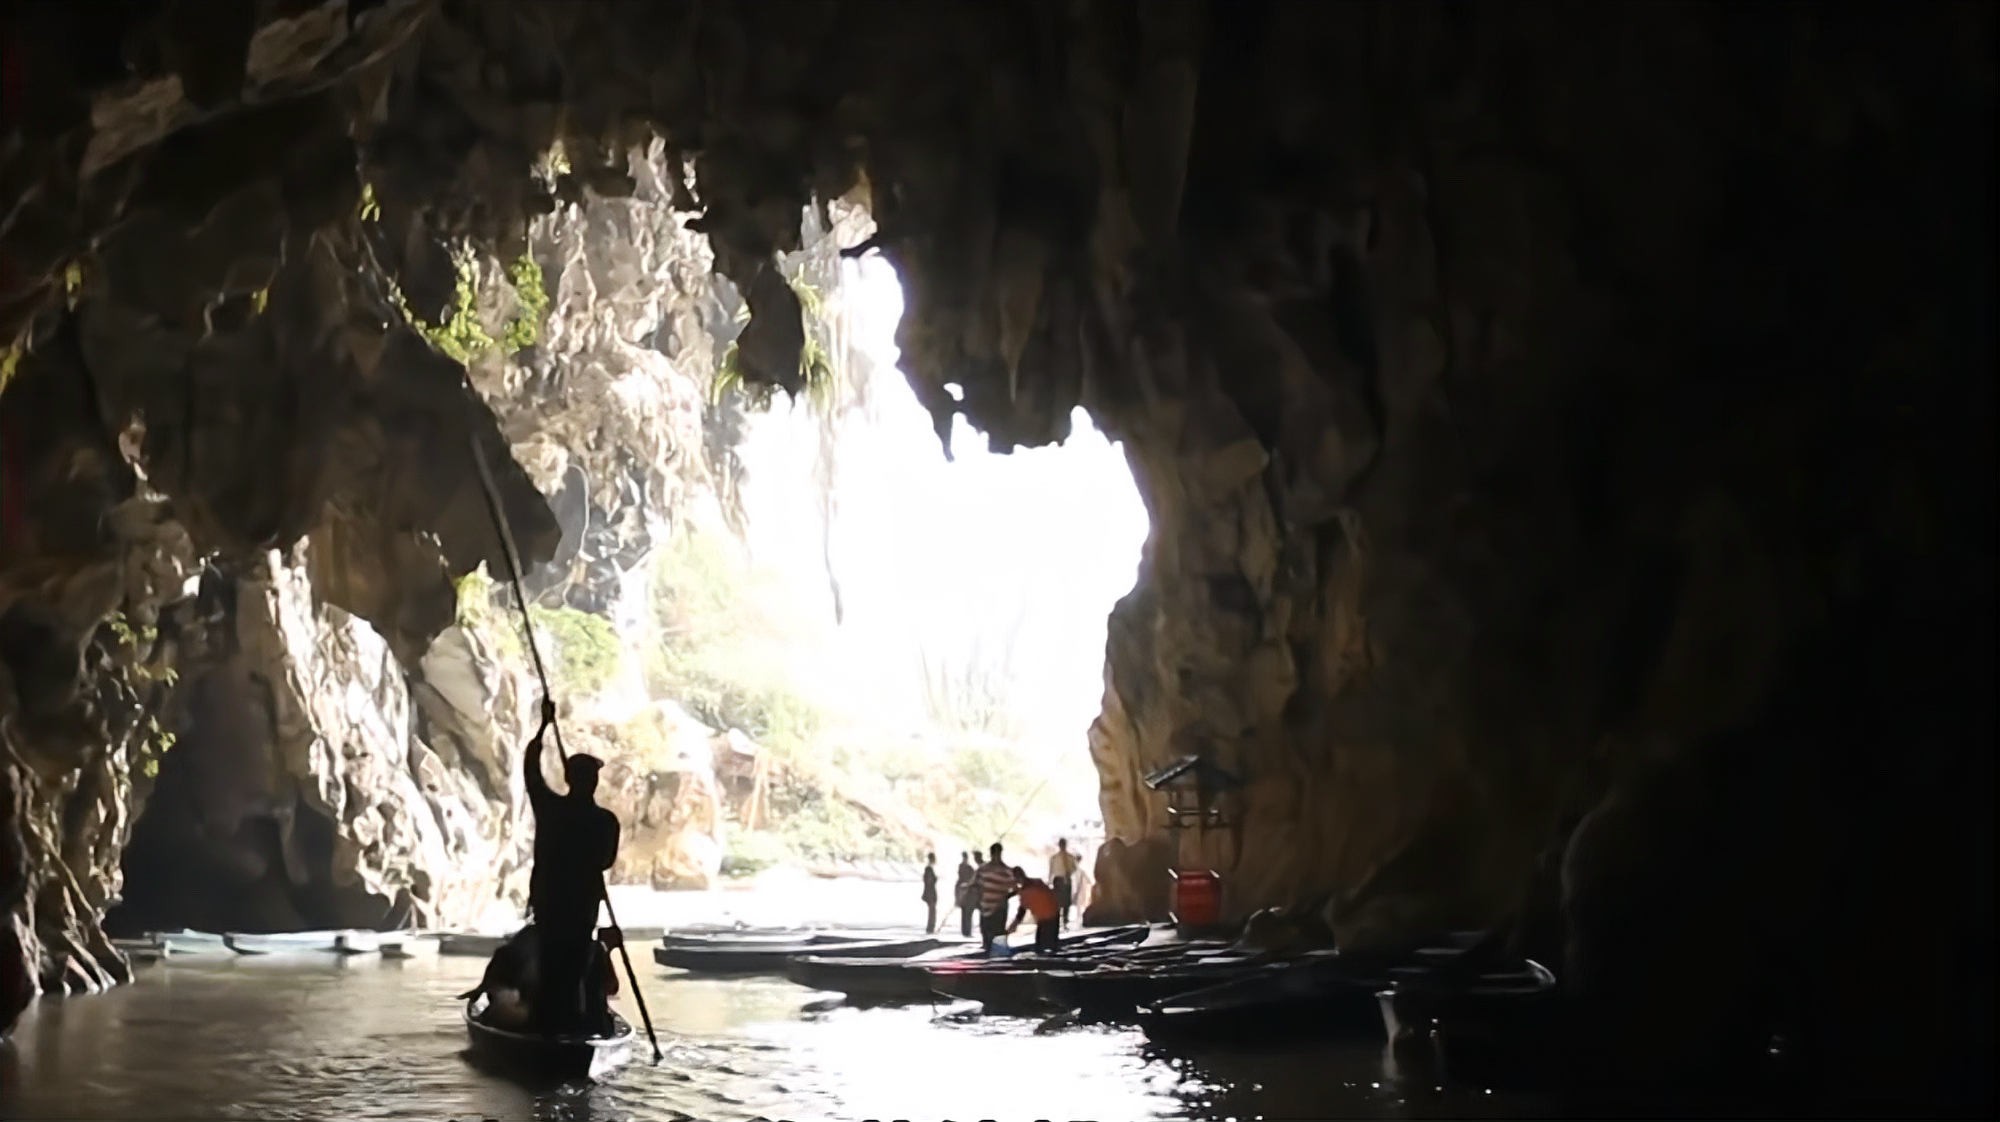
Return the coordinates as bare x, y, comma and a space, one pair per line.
409, 944
1496, 1027
871, 979
469, 944
743, 958
538, 1058
1116, 990
192, 943
1004, 988
306, 942
1314, 997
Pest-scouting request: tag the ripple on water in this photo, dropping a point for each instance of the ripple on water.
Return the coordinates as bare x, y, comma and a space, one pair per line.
267, 1039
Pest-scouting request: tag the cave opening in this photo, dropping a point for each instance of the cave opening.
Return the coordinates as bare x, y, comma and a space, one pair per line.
848, 633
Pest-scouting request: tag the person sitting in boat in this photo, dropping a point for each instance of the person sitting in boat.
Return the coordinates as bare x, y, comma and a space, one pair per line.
1038, 900
509, 981
576, 841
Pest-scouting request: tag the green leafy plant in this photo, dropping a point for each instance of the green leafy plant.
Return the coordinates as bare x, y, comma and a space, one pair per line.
525, 329
584, 652
10, 363
460, 336
153, 747
747, 852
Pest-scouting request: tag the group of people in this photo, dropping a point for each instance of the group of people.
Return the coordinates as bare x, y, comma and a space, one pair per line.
986, 888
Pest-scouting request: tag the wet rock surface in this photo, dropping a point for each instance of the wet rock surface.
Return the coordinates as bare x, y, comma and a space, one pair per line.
1518, 395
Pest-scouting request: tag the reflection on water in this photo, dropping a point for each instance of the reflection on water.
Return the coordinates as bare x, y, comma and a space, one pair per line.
269, 1038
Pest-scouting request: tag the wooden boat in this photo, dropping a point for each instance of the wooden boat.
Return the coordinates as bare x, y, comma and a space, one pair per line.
764, 941
879, 980
742, 958
1004, 988
537, 1058
409, 944
1012, 985
191, 943
466, 944
1117, 989
1498, 1027
306, 942
1312, 998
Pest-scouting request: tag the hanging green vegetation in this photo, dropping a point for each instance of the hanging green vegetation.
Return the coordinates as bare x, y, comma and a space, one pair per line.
525, 329
461, 337
815, 364
10, 361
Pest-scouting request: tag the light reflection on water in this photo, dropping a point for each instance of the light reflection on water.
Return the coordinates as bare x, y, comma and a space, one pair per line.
247, 1038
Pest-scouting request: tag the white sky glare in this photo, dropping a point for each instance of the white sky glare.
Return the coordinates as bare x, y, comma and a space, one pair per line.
941, 554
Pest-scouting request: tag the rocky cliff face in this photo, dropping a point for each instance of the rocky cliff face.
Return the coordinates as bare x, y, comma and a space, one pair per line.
1531, 402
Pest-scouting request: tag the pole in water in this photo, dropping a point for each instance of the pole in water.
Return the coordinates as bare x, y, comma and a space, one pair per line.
513, 555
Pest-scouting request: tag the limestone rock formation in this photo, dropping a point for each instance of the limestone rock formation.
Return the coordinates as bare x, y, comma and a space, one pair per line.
659, 778
1512, 388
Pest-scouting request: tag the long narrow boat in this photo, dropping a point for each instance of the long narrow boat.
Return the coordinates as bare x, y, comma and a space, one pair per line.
1500, 1027
777, 939
880, 980
1012, 985
409, 944
1116, 990
536, 1058
746, 959
1312, 998
306, 942
468, 944
192, 943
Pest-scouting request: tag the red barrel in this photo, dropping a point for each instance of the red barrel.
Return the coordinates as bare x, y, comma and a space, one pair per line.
1197, 897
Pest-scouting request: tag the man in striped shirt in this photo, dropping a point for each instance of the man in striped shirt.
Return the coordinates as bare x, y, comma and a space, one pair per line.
997, 884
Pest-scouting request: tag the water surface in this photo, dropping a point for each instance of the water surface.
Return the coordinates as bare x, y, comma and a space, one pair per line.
265, 1038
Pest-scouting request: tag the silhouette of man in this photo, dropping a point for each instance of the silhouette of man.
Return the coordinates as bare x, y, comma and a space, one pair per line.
1062, 877
930, 894
965, 895
575, 842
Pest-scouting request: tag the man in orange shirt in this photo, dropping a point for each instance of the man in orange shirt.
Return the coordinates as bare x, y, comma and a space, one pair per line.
1038, 899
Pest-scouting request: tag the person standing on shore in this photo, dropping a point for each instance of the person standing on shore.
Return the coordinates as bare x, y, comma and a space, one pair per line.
930, 893
1062, 877
996, 884
965, 895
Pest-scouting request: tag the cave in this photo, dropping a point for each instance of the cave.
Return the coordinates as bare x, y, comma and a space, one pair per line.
1548, 415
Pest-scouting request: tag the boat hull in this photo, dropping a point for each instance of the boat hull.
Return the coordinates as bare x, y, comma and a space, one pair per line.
875, 980
1116, 994
346, 943
1314, 1001
537, 1059
743, 959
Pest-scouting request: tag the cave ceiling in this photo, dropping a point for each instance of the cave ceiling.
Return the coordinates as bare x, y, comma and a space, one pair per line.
1504, 381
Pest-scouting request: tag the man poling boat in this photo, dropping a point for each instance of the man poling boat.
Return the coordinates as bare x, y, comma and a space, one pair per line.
566, 1028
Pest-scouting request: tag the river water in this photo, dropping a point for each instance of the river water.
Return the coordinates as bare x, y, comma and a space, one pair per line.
270, 1038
